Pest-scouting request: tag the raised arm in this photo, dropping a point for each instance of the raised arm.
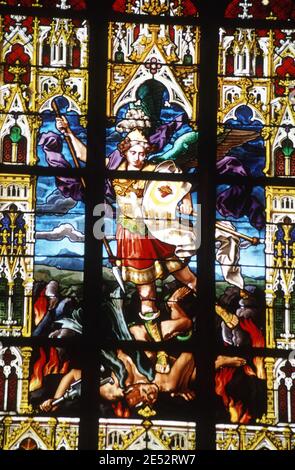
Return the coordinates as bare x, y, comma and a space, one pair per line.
63, 126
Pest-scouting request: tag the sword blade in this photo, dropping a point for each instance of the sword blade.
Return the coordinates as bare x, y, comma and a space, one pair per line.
117, 274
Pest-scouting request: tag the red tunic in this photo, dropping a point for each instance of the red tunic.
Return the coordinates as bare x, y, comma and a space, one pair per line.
144, 258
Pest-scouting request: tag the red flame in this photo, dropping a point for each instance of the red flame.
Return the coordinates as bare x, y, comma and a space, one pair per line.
257, 342
52, 365
260, 369
40, 307
65, 367
256, 335
222, 378
37, 377
245, 418
248, 370
120, 411
43, 368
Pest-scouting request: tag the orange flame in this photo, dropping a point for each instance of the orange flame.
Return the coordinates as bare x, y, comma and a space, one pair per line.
37, 376
222, 378
245, 418
65, 367
256, 335
43, 368
52, 365
260, 369
248, 370
257, 342
120, 411
235, 411
40, 307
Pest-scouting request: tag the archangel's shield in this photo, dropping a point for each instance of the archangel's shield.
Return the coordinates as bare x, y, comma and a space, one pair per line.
160, 210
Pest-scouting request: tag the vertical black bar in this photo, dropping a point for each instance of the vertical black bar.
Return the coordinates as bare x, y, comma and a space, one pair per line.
92, 334
206, 342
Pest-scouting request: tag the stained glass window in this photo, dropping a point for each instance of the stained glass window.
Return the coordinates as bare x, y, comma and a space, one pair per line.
44, 96
254, 224
147, 226
150, 242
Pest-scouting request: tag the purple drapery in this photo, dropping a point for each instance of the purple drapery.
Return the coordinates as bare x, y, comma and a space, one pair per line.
238, 201
51, 144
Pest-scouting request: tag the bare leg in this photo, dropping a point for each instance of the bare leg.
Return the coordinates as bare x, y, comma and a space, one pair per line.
139, 332
187, 277
179, 322
150, 314
147, 294
180, 375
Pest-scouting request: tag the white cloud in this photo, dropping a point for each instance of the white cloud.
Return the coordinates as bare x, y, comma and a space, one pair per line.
61, 232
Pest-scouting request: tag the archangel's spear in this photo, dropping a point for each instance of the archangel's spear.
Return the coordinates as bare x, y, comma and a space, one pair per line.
253, 240
219, 225
68, 141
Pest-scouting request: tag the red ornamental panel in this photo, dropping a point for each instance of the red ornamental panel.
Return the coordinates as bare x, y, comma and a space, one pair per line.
280, 164
261, 9
17, 65
21, 150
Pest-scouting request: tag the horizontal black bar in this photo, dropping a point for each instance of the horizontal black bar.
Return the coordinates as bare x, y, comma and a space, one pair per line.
149, 175
194, 68
251, 181
84, 172
34, 170
40, 341
264, 126
250, 352
256, 23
